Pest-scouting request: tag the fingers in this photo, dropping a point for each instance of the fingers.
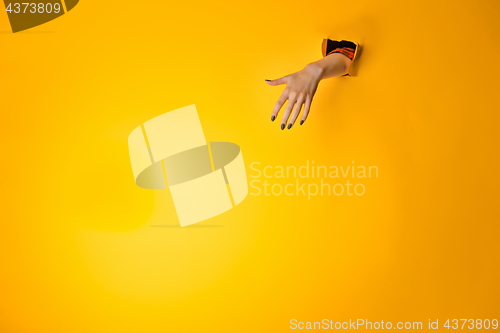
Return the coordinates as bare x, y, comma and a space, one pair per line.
307, 106
279, 105
296, 111
277, 82
288, 110
296, 95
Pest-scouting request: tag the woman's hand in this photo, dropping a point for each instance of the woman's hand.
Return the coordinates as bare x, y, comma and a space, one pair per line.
300, 90
301, 87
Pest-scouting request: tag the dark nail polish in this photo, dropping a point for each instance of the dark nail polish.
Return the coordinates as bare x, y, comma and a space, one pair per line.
289, 126
272, 118
301, 122
267, 80
282, 126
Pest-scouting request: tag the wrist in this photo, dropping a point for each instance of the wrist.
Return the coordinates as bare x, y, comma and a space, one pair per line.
316, 70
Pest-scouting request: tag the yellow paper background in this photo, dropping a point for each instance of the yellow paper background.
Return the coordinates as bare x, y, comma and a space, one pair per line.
80, 246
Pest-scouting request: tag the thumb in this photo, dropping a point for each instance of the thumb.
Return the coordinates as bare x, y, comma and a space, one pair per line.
277, 82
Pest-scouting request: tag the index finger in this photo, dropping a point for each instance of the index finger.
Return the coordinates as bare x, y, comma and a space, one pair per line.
279, 105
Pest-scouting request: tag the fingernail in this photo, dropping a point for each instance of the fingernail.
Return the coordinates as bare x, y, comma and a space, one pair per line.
282, 126
267, 80
272, 118
289, 126
301, 122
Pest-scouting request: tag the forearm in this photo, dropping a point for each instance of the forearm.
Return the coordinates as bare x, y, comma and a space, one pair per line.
330, 66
